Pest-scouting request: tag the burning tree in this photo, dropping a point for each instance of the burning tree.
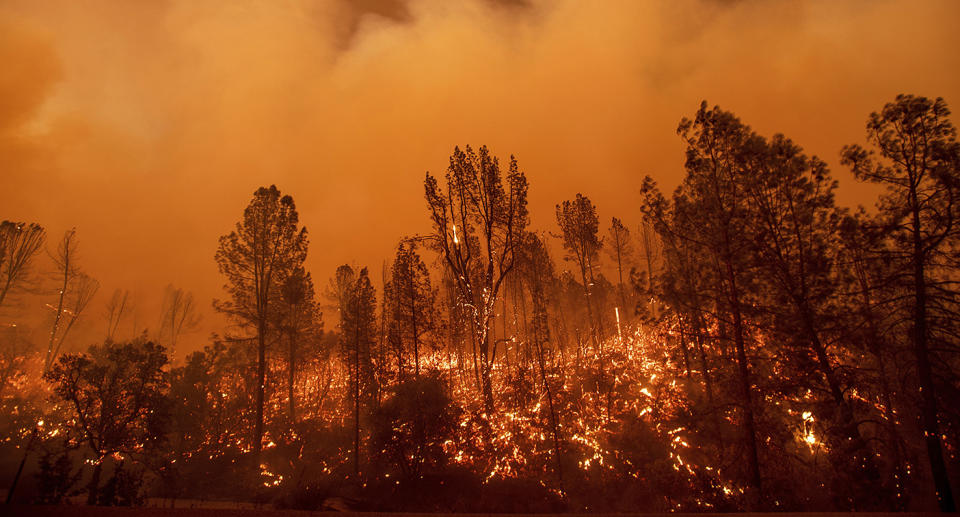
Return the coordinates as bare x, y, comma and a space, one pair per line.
919, 165
299, 320
477, 223
710, 208
74, 291
411, 302
19, 244
620, 250
358, 336
256, 258
784, 353
117, 395
577, 219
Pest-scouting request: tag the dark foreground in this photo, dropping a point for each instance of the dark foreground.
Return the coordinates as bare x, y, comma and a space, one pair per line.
113, 511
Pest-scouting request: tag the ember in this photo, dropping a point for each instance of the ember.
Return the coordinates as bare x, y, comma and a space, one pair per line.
544, 332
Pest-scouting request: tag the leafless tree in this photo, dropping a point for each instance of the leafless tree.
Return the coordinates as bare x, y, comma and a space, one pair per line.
114, 311
652, 251
19, 244
75, 290
178, 314
620, 250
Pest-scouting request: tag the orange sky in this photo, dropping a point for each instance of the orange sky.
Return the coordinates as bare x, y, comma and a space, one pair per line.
148, 125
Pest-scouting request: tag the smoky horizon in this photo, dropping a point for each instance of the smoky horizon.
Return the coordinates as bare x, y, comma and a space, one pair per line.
480, 256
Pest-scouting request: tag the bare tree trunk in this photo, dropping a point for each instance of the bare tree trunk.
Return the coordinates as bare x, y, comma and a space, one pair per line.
485, 368
356, 389
261, 385
623, 296
750, 431
707, 379
593, 324
56, 320
290, 377
928, 395
476, 357
522, 360
23, 461
683, 348
554, 425
416, 332
94, 486
648, 255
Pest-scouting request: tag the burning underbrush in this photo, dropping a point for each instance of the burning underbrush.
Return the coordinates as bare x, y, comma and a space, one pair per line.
628, 425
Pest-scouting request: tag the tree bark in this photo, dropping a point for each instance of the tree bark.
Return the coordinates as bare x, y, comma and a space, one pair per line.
261, 381
928, 396
94, 486
750, 431
290, 377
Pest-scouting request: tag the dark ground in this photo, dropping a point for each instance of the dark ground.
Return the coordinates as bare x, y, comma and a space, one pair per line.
106, 511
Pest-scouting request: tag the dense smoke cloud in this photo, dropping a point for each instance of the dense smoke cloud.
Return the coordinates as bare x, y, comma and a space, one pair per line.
148, 125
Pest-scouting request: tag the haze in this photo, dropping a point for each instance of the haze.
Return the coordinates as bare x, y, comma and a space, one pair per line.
148, 125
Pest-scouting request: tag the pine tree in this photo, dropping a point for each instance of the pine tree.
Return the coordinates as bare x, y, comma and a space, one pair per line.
478, 219
621, 250
412, 305
299, 321
794, 228
358, 337
708, 213
255, 258
579, 226
917, 160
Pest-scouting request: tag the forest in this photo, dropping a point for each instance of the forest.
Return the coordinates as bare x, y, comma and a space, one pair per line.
744, 343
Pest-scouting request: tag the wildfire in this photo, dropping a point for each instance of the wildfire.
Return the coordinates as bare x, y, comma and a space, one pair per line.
643, 389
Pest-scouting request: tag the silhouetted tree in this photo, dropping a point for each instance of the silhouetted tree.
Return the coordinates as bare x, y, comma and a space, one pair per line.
117, 395
621, 249
413, 424
794, 228
411, 304
178, 314
114, 311
299, 320
579, 227
74, 292
56, 477
255, 258
652, 248
19, 244
917, 160
684, 284
358, 334
477, 221
710, 207
209, 423
537, 268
